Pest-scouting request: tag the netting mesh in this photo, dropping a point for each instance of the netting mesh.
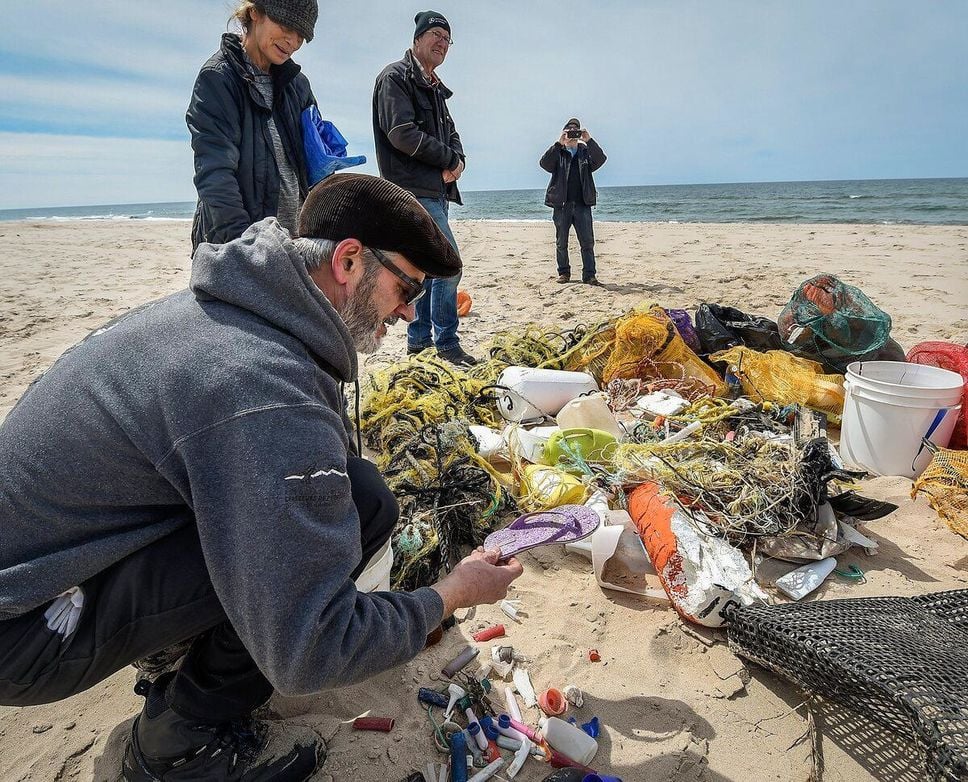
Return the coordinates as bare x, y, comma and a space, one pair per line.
648, 346
829, 321
780, 377
947, 355
901, 662
945, 481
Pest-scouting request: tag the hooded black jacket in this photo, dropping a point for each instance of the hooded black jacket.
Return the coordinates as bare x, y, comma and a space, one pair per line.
415, 137
236, 175
557, 161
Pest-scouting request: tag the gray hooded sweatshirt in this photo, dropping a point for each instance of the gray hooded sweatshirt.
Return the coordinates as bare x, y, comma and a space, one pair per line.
218, 406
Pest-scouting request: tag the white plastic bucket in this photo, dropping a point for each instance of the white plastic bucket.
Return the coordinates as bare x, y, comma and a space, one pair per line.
889, 407
536, 394
376, 575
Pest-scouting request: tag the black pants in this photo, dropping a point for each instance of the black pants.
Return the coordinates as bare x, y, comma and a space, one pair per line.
160, 596
580, 216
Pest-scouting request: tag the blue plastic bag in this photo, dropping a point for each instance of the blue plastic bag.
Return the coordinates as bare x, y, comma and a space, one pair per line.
324, 147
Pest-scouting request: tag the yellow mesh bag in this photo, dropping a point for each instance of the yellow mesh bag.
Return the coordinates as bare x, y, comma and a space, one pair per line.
648, 347
945, 481
780, 377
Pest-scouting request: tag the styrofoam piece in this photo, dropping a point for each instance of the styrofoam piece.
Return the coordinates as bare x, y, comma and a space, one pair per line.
801, 582
376, 575
489, 442
528, 444
660, 403
534, 394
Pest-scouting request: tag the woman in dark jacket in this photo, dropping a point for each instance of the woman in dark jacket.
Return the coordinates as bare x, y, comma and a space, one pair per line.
244, 118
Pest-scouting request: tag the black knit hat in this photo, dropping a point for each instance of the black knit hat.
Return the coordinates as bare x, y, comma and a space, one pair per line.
572, 123
427, 19
298, 15
381, 215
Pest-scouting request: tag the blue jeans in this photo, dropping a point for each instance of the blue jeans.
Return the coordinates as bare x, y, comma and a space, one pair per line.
580, 216
438, 307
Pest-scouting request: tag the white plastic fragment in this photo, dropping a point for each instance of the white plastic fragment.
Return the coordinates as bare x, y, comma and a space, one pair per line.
574, 696
522, 683
858, 538
802, 581
489, 442
660, 403
511, 607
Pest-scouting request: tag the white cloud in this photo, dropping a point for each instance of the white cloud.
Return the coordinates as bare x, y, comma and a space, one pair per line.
49, 170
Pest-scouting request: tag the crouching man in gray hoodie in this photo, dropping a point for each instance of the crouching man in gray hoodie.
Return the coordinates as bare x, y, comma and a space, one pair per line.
188, 472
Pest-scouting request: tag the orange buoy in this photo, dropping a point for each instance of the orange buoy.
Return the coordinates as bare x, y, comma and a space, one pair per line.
464, 303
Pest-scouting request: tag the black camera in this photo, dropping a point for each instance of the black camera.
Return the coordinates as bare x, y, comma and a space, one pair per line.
573, 133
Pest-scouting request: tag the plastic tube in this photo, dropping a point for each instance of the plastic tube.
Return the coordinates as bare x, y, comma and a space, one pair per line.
488, 726
512, 703
504, 742
459, 662
488, 772
530, 732
381, 724
474, 729
458, 757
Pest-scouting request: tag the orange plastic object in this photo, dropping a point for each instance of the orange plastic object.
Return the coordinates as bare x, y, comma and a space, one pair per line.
552, 702
495, 631
464, 303
652, 515
593, 655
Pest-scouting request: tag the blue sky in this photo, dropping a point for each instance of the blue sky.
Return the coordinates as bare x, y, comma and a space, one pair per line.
93, 95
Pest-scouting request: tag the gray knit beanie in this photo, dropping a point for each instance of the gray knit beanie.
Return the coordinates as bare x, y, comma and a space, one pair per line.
298, 15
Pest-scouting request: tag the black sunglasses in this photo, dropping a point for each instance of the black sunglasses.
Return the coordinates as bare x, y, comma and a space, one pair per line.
415, 289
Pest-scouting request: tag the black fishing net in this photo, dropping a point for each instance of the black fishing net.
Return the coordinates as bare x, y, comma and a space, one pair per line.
901, 662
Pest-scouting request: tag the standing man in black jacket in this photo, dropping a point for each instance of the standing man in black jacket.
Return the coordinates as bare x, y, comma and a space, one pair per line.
419, 149
571, 193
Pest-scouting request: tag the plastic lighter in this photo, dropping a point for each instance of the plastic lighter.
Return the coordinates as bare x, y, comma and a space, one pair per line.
459, 662
495, 631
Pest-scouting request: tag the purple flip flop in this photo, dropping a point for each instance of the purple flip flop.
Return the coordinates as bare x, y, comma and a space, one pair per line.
564, 524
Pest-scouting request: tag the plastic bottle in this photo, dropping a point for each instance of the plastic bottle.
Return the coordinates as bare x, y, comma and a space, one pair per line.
589, 412
570, 741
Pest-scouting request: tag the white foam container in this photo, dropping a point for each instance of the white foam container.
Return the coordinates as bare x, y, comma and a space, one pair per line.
376, 575
533, 394
889, 407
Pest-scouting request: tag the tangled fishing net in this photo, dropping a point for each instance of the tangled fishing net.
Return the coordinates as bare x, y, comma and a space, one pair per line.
415, 417
776, 376
945, 481
749, 487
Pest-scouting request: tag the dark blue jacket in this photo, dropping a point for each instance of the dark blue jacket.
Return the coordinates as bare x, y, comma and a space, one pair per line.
236, 175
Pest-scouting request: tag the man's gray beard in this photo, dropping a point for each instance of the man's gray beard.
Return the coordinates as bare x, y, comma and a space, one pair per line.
360, 314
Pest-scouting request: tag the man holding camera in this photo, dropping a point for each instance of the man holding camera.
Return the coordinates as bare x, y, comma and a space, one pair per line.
571, 160
419, 149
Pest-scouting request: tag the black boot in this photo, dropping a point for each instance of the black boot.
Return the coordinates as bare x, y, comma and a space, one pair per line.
166, 747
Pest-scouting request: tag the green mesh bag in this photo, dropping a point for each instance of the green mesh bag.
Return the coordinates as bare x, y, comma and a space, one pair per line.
835, 324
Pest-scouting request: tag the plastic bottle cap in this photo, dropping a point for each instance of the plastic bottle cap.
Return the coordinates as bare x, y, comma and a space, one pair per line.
503, 721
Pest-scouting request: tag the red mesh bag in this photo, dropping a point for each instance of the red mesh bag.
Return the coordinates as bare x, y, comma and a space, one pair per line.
946, 355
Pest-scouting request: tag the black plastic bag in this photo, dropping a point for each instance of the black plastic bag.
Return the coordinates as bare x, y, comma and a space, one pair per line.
722, 327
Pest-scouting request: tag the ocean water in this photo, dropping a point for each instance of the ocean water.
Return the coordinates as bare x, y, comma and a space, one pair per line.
886, 201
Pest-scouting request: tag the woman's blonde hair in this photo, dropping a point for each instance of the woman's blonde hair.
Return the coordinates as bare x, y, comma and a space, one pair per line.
243, 13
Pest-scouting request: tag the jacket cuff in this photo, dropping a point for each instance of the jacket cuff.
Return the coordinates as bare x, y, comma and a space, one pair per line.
432, 605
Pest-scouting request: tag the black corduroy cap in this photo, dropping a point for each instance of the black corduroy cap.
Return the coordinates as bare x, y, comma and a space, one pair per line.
572, 123
427, 19
298, 15
381, 215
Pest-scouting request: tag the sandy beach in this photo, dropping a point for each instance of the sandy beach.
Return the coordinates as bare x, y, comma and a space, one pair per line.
675, 704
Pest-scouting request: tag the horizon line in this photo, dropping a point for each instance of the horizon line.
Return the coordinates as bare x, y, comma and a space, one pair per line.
527, 189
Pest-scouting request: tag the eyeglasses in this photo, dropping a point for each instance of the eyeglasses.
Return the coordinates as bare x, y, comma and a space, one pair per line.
415, 289
442, 37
